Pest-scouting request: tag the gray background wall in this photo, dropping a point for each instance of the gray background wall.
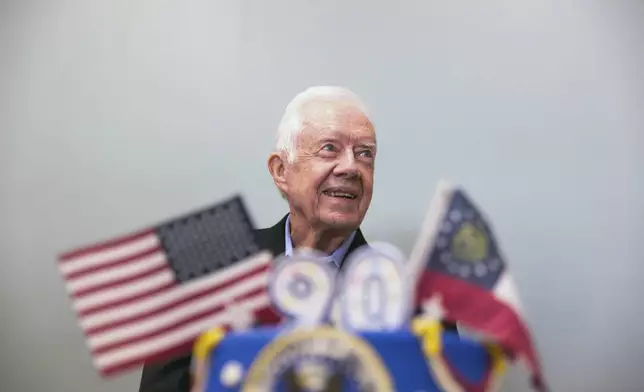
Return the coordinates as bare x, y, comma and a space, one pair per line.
116, 114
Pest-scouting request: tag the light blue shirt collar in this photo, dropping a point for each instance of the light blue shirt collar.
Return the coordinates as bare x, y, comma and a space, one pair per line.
336, 257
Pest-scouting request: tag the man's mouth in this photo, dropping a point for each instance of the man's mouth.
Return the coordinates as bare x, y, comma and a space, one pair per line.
341, 193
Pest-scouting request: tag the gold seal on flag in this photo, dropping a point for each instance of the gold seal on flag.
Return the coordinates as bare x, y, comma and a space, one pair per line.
470, 243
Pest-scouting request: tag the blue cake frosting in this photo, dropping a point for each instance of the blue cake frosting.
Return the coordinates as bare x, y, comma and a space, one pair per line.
415, 359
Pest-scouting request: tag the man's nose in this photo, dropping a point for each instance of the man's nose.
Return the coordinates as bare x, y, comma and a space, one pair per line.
347, 165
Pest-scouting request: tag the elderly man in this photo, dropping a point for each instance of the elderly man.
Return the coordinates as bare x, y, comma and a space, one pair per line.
323, 165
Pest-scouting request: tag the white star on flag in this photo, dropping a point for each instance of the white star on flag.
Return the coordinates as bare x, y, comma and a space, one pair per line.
241, 318
433, 308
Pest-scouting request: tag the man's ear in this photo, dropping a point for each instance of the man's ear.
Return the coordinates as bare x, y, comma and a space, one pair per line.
277, 168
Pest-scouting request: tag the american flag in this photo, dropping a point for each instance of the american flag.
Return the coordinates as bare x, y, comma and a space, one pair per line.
458, 262
146, 296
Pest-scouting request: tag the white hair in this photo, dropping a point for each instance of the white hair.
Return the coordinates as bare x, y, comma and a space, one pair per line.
294, 116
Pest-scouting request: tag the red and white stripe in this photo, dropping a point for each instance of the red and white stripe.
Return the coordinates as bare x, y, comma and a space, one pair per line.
132, 309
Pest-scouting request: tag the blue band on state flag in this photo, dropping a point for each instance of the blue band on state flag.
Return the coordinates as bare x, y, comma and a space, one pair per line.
465, 246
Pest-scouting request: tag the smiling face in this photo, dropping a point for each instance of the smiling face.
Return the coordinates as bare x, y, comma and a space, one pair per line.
330, 181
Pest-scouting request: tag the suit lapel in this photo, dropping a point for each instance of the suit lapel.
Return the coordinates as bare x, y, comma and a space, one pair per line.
272, 238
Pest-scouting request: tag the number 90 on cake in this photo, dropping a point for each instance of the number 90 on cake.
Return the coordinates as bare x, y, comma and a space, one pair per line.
373, 295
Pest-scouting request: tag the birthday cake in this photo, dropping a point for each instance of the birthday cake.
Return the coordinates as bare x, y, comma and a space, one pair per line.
364, 340
324, 358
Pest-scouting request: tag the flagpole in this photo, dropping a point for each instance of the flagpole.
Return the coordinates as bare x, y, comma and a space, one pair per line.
429, 229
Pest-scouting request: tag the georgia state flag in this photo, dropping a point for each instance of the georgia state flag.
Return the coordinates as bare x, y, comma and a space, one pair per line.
457, 262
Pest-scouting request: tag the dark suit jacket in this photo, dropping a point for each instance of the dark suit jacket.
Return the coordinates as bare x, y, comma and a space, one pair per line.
174, 376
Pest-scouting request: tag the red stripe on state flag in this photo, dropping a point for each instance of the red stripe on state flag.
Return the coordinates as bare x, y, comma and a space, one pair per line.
481, 310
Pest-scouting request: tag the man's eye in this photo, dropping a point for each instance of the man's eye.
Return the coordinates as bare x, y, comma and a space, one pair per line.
328, 147
366, 153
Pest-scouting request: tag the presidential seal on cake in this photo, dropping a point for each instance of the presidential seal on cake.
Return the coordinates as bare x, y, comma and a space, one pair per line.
352, 332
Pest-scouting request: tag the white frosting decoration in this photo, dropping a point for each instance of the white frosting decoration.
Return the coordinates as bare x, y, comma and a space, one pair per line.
231, 373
